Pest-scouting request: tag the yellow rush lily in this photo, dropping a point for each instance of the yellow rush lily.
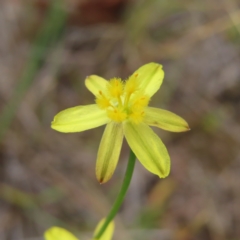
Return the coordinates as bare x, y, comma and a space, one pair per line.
57, 233
123, 106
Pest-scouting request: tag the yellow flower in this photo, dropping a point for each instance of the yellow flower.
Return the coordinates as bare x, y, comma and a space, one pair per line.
123, 106
57, 233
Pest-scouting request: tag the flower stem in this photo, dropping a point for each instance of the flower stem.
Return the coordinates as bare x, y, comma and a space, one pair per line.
118, 202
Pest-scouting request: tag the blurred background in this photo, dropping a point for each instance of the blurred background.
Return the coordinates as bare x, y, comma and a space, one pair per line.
47, 48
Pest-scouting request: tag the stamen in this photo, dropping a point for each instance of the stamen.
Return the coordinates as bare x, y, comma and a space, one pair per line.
136, 117
115, 87
102, 101
123, 100
117, 115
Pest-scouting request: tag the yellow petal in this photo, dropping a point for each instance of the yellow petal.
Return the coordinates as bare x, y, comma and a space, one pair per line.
108, 233
164, 119
80, 118
109, 150
57, 233
95, 84
149, 78
148, 148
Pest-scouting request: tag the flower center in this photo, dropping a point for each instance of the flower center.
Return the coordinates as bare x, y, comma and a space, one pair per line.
123, 100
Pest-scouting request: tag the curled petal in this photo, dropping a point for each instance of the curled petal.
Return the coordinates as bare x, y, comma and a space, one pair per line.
164, 119
108, 233
148, 148
109, 150
80, 118
57, 233
96, 84
149, 78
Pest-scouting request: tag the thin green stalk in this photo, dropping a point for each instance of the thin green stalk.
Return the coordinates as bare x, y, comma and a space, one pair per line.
118, 202
49, 33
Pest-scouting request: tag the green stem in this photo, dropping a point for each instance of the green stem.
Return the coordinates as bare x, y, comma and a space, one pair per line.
118, 202
49, 33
